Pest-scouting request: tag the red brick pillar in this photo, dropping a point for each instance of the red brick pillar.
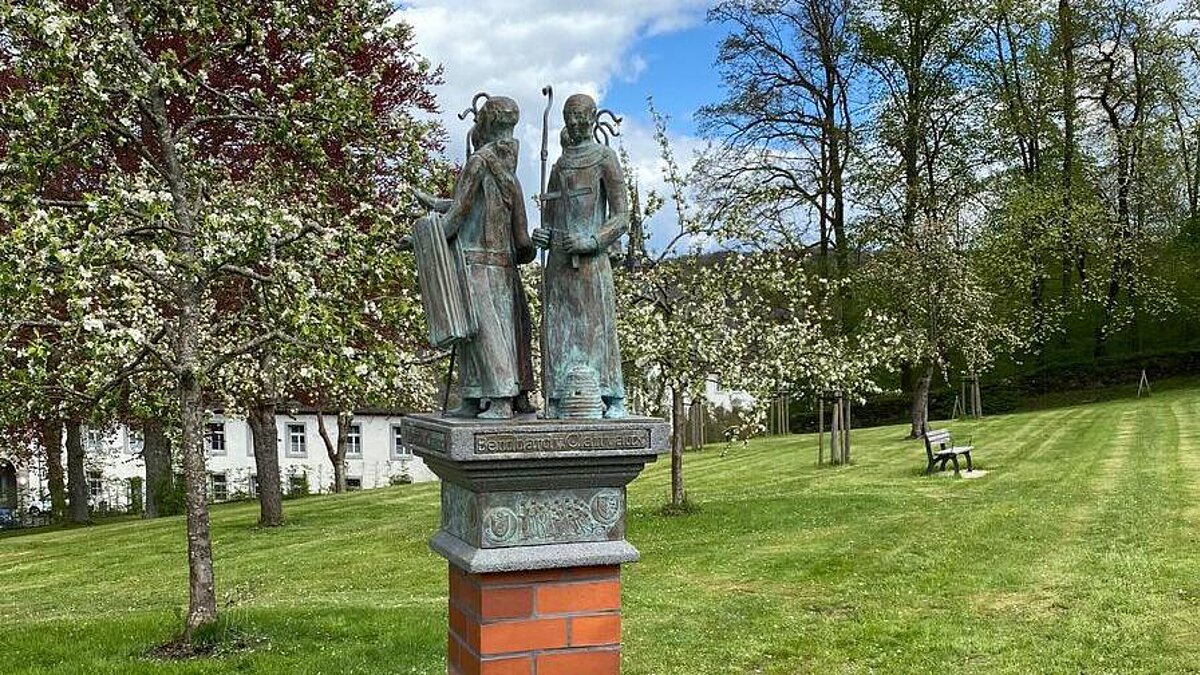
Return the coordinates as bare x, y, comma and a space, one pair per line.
533, 525
541, 622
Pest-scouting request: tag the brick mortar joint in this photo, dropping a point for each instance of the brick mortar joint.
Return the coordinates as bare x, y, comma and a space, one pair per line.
538, 577
533, 654
467, 612
465, 647
580, 614
565, 581
591, 649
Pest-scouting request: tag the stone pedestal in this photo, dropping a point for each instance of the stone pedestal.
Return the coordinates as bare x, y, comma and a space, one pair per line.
533, 525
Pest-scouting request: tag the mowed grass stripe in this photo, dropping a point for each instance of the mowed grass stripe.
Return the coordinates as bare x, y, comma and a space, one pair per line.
1119, 574
892, 577
1182, 615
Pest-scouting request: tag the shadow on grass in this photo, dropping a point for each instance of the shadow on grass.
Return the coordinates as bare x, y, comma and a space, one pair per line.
1084, 397
217, 640
63, 527
687, 508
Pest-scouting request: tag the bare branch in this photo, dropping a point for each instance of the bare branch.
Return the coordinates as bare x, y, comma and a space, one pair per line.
195, 122
154, 277
246, 272
248, 347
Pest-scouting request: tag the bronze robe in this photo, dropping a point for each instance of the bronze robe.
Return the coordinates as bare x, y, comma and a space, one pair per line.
581, 308
489, 227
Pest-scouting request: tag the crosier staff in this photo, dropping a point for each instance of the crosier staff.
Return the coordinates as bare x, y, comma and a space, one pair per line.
548, 92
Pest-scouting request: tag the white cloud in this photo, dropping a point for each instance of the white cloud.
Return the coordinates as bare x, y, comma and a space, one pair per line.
646, 163
515, 47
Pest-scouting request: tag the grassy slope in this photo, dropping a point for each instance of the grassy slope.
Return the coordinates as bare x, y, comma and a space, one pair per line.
1079, 552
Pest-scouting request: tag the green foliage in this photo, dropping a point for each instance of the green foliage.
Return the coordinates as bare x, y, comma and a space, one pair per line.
174, 499
297, 485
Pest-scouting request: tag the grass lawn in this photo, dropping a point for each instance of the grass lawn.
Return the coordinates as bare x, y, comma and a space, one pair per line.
1078, 552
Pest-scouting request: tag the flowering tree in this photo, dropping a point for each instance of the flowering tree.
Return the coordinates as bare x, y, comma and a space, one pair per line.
949, 313
729, 301
159, 154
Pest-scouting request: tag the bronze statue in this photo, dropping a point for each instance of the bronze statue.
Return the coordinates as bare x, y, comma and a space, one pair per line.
585, 210
487, 225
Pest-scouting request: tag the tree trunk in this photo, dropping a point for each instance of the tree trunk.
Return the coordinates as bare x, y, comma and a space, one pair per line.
835, 432
160, 477
336, 450
977, 398
846, 432
189, 368
820, 430
266, 463
202, 596
345, 420
920, 404
1067, 44
77, 486
1194, 192
52, 436
1037, 293
1118, 268
677, 427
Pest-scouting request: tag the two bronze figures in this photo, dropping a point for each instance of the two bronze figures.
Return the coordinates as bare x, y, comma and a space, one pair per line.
468, 250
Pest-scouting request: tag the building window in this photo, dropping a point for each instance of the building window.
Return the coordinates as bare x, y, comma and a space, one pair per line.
353, 484
95, 439
399, 451
215, 435
220, 487
354, 441
296, 439
95, 485
137, 442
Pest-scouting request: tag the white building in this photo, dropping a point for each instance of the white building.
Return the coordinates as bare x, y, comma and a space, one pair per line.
116, 473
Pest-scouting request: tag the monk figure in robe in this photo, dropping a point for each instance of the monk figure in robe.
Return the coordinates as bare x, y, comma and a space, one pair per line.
487, 223
587, 210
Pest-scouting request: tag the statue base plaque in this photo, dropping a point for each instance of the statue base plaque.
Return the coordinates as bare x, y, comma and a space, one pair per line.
533, 525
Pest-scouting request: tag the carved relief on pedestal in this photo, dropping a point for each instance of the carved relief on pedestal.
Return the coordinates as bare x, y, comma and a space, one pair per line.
460, 512
504, 519
554, 517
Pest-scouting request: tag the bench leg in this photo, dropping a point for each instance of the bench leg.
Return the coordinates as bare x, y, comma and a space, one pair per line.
969, 467
929, 468
955, 459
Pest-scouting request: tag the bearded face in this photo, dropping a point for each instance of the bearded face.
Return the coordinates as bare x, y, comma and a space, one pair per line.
579, 120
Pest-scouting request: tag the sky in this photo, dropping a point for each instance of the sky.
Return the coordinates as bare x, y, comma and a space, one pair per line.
619, 51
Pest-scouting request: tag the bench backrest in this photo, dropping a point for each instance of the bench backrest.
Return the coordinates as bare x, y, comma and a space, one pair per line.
936, 437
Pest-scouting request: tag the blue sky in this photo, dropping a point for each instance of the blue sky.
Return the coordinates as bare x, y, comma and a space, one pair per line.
678, 72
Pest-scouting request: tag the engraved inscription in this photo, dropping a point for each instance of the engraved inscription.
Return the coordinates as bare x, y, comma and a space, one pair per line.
425, 439
560, 441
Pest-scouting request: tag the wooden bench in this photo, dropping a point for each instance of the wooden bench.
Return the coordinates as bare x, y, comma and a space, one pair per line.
940, 450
